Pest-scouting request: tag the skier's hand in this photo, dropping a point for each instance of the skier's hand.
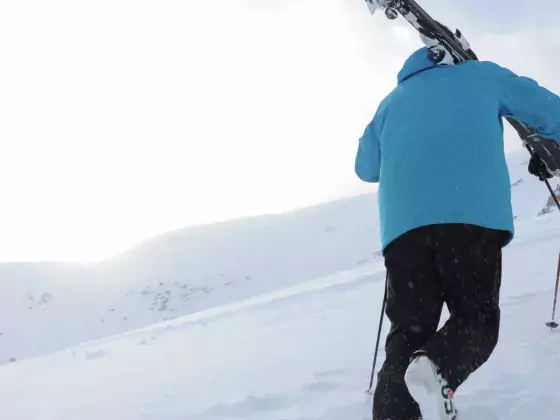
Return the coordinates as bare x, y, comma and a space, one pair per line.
538, 168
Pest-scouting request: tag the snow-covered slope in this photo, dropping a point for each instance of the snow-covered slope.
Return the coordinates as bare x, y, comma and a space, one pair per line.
302, 353
49, 307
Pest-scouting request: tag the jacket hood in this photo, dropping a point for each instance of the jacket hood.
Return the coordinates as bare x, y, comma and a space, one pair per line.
419, 61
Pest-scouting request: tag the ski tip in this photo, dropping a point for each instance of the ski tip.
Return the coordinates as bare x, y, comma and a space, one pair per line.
372, 6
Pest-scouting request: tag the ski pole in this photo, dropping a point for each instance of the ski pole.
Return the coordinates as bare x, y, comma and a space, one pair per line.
553, 324
552, 193
532, 153
379, 333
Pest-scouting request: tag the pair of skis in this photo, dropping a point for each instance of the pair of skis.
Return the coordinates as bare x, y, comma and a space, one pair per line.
547, 150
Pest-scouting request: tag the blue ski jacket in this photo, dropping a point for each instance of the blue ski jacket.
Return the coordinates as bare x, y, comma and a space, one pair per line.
436, 147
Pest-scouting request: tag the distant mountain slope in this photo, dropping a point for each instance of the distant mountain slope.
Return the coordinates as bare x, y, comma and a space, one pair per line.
46, 307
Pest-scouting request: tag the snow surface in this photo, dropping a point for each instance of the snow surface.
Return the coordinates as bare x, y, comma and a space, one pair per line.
297, 348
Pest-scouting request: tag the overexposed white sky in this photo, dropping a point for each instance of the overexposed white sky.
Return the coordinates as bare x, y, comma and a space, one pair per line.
123, 119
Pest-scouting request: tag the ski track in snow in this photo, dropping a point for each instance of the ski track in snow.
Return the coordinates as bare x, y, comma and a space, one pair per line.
302, 353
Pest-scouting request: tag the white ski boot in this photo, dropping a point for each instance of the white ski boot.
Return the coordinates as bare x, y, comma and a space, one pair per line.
428, 388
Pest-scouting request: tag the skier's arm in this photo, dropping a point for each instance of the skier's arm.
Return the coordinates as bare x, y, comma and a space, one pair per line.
368, 159
525, 100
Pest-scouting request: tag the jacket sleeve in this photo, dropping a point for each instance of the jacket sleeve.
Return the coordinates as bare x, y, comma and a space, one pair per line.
368, 158
524, 100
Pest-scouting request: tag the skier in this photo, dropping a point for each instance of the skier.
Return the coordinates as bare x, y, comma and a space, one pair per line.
435, 146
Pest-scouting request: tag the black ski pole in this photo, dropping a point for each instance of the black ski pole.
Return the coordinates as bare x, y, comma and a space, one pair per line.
532, 153
553, 324
552, 193
379, 333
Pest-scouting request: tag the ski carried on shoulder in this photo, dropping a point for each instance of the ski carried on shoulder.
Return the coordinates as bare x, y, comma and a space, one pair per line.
547, 150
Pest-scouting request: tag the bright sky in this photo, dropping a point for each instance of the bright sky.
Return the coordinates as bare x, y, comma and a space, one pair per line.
123, 119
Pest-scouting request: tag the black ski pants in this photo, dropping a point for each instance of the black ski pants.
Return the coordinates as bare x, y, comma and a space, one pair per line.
455, 264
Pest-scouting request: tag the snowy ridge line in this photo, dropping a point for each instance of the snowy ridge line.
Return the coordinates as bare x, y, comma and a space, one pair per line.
322, 283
